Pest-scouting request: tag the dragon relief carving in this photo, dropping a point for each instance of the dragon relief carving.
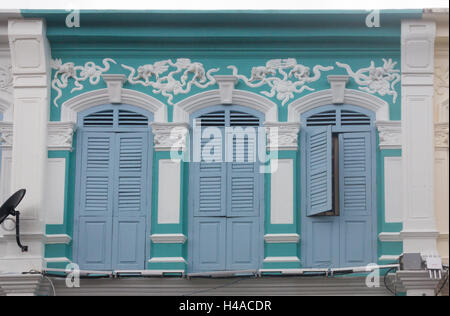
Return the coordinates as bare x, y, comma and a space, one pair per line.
188, 73
66, 71
294, 77
376, 80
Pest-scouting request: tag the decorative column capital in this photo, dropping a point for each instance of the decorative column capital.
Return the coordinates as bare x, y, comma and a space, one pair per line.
282, 135
441, 135
60, 135
390, 133
6, 134
170, 136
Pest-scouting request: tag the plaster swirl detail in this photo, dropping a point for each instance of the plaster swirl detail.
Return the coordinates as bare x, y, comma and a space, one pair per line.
189, 73
294, 77
376, 80
66, 71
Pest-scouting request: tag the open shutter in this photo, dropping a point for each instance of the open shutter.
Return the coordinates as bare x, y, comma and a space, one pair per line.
319, 171
355, 199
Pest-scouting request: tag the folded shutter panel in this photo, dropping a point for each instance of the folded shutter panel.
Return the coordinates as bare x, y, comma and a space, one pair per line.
319, 171
355, 199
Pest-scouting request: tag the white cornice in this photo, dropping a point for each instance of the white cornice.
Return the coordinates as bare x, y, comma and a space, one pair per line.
281, 238
168, 238
390, 133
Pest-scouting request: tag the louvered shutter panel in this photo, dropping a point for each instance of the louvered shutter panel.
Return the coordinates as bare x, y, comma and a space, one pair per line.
97, 174
210, 177
355, 198
131, 173
319, 171
242, 173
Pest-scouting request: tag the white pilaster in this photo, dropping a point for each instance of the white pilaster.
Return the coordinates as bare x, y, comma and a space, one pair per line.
30, 56
419, 228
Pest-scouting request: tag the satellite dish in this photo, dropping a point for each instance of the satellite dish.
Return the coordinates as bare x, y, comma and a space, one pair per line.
9, 208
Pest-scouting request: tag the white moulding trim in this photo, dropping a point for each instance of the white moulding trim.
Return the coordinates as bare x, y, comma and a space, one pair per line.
57, 239
390, 133
389, 257
71, 107
6, 134
338, 83
325, 97
419, 234
281, 238
281, 259
184, 108
58, 259
389, 237
167, 259
168, 238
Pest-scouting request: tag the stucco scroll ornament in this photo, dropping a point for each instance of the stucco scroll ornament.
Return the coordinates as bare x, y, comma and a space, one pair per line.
294, 77
69, 70
5, 78
441, 87
381, 80
181, 76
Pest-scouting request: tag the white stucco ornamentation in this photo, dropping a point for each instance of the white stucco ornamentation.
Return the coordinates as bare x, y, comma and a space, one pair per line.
376, 80
60, 135
5, 78
282, 135
170, 136
6, 134
441, 135
390, 133
294, 77
152, 75
79, 74
441, 88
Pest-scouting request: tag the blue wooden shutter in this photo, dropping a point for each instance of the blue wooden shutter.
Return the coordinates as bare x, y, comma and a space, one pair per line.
131, 205
242, 243
94, 243
131, 174
209, 181
355, 198
97, 174
242, 174
209, 239
319, 171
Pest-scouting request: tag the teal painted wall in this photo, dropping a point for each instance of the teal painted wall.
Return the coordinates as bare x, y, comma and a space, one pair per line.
241, 38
